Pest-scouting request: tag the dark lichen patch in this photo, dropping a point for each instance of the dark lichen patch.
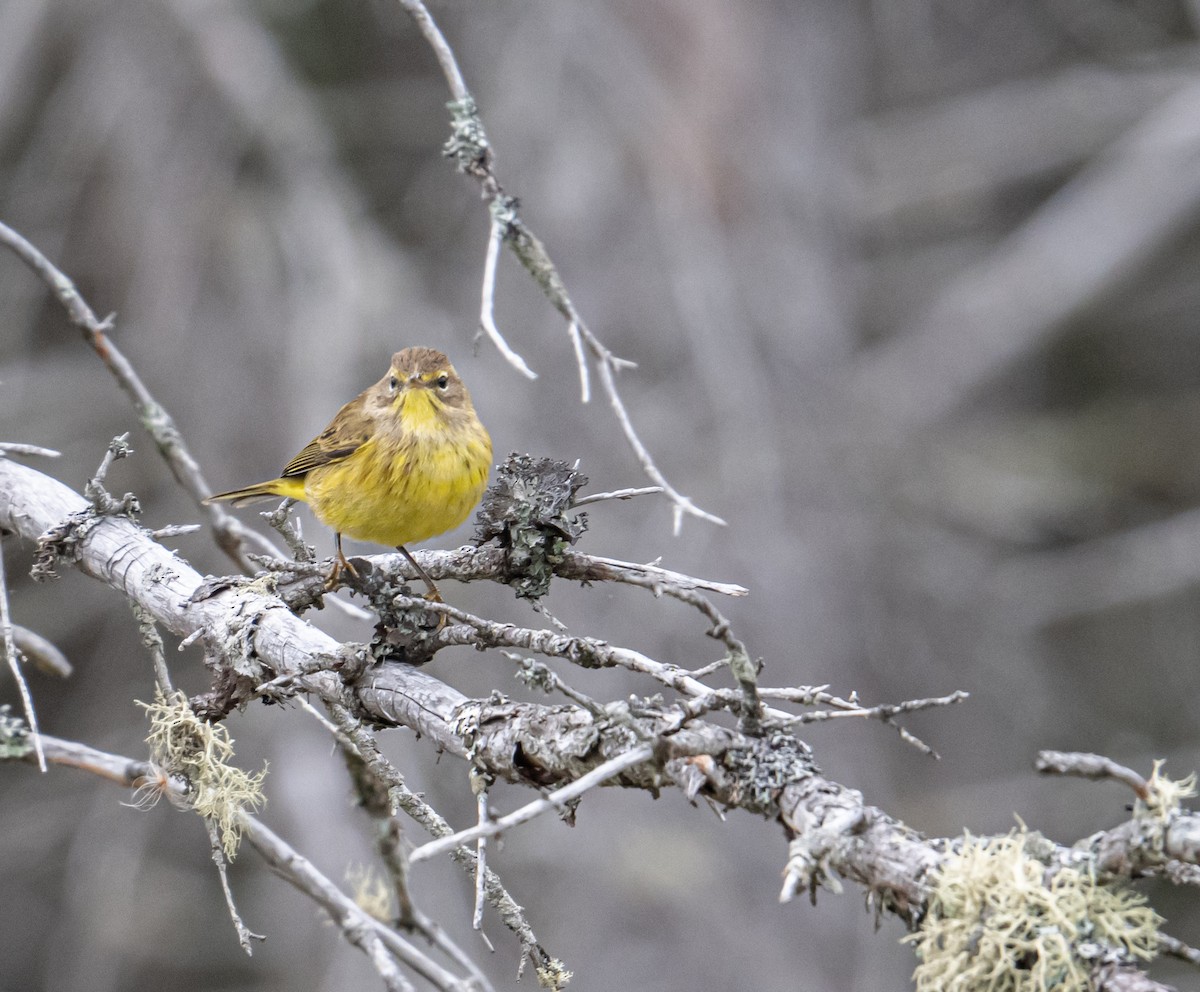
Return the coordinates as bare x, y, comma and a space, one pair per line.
529, 511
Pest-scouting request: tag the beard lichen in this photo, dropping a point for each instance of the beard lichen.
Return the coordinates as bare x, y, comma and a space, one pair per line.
183, 744
371, 893
1000, 920
1164, 795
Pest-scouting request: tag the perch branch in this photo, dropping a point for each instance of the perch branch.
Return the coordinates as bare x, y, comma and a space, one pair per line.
833, 833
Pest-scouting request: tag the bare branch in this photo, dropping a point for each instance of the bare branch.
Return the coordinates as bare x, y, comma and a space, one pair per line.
487, 308
9, 448
1093, 766
618, 494
14, 666
469, 146
231, 534
834, 833
552, 801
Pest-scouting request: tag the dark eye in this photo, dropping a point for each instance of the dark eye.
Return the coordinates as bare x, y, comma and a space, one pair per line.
442, 381
393, 384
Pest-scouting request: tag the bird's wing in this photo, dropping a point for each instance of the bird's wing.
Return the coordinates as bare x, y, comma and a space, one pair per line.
346, 433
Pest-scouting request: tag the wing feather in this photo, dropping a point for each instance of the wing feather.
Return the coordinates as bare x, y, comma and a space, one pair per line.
346, 433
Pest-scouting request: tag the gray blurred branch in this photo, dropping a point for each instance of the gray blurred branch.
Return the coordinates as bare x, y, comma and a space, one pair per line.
231, 534
1124, 206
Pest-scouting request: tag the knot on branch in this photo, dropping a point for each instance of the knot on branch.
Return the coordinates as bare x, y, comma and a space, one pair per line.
528, 512
1002, 916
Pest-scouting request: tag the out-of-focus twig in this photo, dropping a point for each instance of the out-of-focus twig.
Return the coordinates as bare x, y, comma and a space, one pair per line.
231, 535
386, 948
10, 655
45, 655
470, 148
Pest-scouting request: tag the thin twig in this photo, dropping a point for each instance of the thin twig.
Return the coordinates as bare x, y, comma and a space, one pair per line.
469, 146
231, 534
175, 530
245, 935
34, 450
487, 307
884, 711
1091, 766
552, 801
154, 644
437, 41
1178, 949
585, 378
481, 805
618, 494
682, 503
10, 653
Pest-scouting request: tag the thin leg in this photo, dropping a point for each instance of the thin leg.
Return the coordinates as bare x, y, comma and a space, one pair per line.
433, 590
340, 562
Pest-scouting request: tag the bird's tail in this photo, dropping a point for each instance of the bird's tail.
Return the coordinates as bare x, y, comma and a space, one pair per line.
292, 488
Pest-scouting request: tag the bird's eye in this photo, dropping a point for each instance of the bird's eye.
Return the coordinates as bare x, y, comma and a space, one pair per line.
442, 381
393, 384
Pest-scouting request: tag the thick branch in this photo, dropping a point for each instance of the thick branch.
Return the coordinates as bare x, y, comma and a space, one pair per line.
833, 833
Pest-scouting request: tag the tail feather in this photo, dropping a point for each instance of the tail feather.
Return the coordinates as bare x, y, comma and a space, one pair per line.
276, 487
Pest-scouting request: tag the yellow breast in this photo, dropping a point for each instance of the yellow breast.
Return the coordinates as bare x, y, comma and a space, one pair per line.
404, 488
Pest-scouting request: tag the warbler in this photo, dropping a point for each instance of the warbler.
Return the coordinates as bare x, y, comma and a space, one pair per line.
404, 461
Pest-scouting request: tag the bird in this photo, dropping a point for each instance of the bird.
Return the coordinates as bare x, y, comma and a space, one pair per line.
405, 460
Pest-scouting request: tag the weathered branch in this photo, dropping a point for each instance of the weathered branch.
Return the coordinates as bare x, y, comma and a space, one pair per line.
833, 834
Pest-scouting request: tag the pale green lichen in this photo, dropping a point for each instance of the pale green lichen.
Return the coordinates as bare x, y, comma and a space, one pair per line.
553, 974
183, 744
1164, 795
1000, 920
371, 892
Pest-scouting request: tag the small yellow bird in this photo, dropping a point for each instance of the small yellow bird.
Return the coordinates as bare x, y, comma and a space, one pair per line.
402, 462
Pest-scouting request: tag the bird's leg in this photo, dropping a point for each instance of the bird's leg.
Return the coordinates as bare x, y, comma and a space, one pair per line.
433, 594
340, 563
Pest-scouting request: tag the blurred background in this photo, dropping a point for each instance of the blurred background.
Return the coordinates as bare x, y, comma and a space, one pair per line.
911, 285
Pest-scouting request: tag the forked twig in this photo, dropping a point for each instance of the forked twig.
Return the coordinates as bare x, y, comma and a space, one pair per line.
487, 306
469, 146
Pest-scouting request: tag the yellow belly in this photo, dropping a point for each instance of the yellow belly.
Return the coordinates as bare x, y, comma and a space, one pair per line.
403, 495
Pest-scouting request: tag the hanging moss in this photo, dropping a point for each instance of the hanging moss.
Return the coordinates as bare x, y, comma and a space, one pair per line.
1000, 920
